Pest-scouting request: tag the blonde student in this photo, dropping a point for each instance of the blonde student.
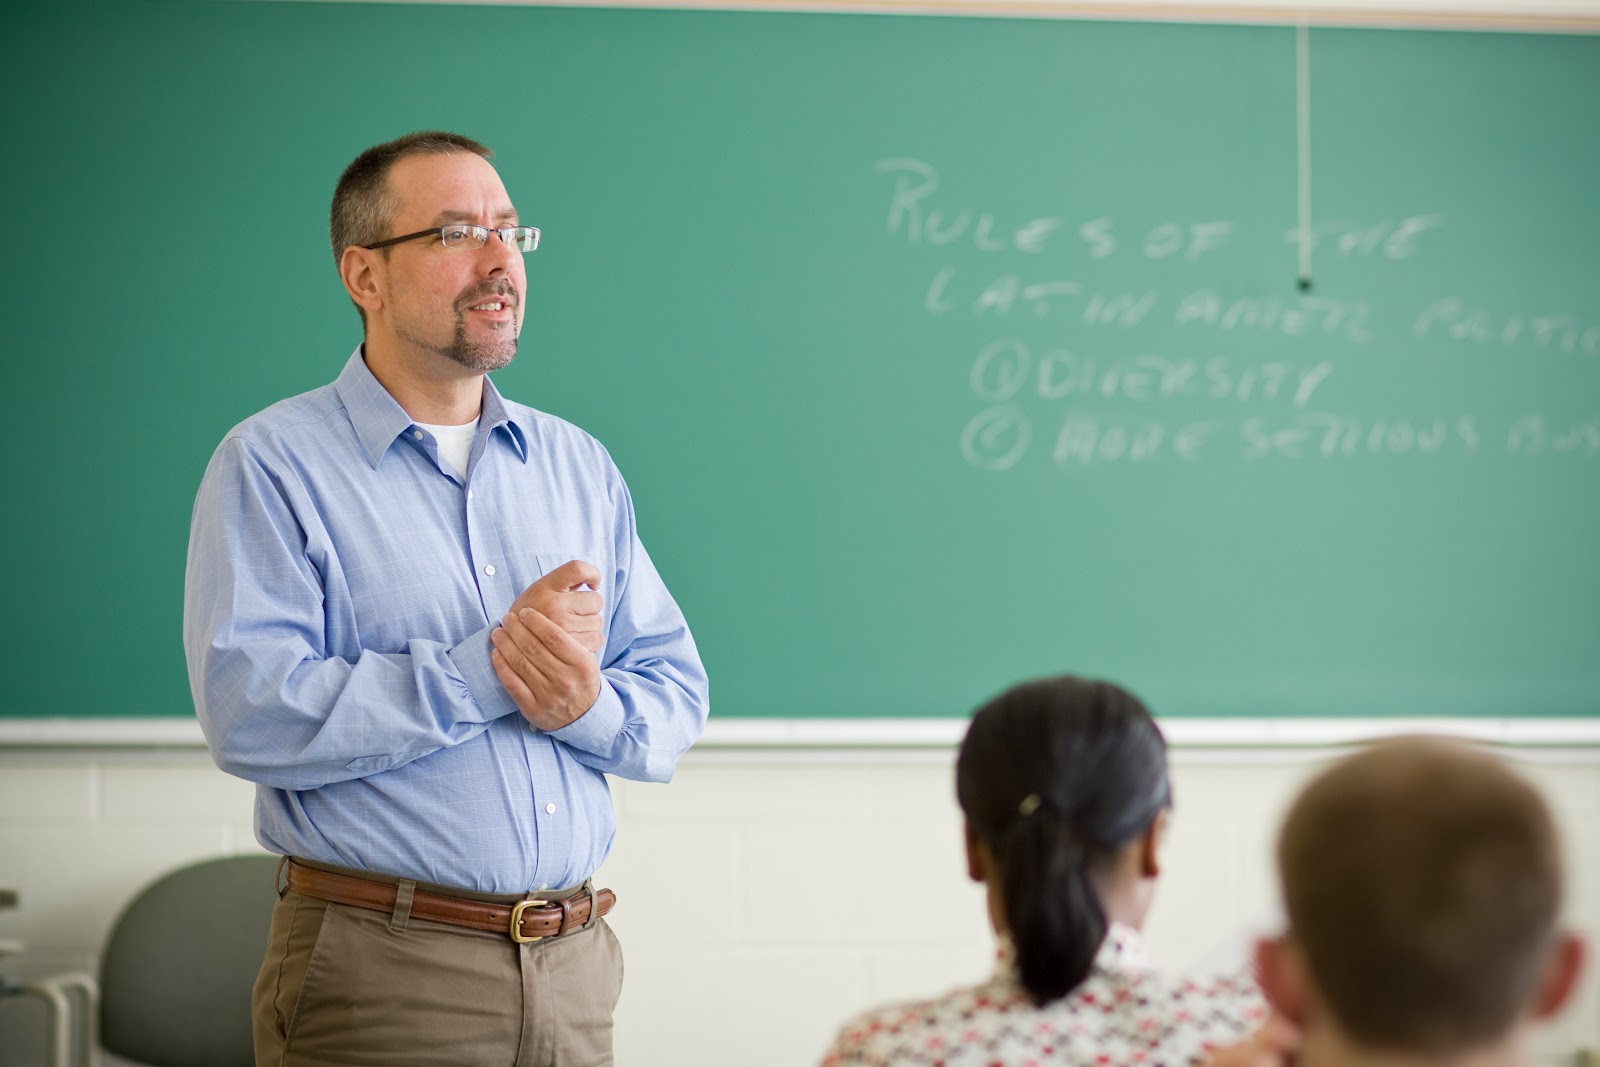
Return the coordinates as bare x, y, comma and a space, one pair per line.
1063, 784
1423, 882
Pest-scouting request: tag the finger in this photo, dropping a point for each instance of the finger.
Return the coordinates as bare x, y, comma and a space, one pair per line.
515, 687
575, 624
522, 652
587, 630
564, 608
581, 602
572, 575
560, 644
546, 662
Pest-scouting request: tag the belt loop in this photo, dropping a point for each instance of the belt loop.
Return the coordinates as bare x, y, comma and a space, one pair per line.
402, 906
279, 884
566, 916
594, 904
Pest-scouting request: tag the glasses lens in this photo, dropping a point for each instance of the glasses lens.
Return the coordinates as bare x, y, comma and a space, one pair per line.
525, 238
460, 235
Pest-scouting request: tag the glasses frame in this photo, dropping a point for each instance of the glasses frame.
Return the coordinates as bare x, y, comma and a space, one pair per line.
505, 233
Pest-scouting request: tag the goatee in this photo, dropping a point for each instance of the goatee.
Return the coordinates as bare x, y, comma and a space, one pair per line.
485, 355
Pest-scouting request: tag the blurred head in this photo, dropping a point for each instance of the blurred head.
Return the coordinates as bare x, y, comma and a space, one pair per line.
1422, 881
1063, 782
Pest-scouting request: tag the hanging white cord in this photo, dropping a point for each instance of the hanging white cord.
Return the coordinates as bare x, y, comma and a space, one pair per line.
1302, 42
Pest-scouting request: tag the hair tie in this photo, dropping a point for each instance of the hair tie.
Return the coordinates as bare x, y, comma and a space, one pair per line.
1029, 805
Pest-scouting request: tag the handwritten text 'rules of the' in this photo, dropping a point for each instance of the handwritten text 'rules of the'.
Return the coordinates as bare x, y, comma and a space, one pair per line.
1110, 410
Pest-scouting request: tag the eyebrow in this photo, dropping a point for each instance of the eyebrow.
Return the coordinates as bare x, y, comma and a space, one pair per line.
504, 215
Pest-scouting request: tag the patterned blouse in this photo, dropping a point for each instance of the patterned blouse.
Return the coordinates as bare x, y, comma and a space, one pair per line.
1125, 1014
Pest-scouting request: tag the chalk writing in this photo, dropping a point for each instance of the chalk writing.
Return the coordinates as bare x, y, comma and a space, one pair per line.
1082, 399
917, 181
1388, 240
917, 216
1000, 437
1534, 435
1086, 439
1006, 367
1329, 436
996, 439
1557, 331
1295, 317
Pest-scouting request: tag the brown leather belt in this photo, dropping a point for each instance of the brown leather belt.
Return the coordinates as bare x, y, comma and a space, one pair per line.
522, 921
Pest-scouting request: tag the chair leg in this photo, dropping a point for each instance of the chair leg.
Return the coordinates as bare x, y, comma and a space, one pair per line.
70, 1029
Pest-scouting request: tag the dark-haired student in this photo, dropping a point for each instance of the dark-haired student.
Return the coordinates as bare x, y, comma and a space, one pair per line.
1063, 783
1422, 881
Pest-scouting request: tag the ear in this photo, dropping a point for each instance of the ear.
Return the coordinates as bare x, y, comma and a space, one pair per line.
977, 855
361, 270
1280, 972
1560, 978
1150, 845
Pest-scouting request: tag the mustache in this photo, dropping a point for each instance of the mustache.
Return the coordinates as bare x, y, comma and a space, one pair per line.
501, 290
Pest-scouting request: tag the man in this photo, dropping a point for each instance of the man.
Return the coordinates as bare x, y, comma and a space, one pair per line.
419, 617
1422, 881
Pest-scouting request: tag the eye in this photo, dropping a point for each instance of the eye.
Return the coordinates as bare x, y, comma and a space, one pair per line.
457, 234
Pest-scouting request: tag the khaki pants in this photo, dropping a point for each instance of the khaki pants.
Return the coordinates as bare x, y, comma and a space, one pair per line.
350, 987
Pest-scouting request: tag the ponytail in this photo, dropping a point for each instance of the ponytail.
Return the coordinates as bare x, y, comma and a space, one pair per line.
1054, 777
1052, 908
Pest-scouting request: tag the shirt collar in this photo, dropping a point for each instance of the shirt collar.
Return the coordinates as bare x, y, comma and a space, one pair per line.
378, 418
494, 415
1122, 950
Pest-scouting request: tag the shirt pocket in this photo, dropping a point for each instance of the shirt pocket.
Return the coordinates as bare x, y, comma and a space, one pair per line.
546, 562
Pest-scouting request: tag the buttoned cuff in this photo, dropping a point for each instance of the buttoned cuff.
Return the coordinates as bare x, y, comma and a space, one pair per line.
471, 658
596, 729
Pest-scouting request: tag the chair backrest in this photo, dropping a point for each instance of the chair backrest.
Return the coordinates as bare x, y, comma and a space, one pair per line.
177, 971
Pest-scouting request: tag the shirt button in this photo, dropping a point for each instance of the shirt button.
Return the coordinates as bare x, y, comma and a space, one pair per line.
469, 494
549, 809
489, 570
417, 434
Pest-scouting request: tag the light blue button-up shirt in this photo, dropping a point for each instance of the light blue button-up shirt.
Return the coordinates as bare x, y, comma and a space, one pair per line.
342, 584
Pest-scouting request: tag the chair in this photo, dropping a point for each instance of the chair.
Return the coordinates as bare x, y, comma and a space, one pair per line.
176, 972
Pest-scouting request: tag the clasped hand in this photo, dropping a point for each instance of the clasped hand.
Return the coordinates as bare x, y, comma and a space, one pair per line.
545, 646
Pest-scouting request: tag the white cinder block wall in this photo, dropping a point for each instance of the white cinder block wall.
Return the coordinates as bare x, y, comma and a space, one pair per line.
764, 895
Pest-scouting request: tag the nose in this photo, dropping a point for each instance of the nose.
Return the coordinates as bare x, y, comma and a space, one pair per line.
499, 255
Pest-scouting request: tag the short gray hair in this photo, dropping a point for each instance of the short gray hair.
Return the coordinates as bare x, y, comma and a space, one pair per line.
364, 207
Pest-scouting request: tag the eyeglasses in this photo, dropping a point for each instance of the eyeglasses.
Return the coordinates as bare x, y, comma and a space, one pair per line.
465, 235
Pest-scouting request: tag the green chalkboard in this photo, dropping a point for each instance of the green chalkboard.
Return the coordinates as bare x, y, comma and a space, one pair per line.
938, 352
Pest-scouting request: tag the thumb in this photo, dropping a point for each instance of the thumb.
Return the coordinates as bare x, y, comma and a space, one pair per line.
571, 575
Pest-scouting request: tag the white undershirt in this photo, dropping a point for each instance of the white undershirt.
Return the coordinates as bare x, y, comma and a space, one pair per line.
455, 443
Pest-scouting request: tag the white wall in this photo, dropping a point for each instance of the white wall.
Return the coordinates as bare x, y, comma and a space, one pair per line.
764, 895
